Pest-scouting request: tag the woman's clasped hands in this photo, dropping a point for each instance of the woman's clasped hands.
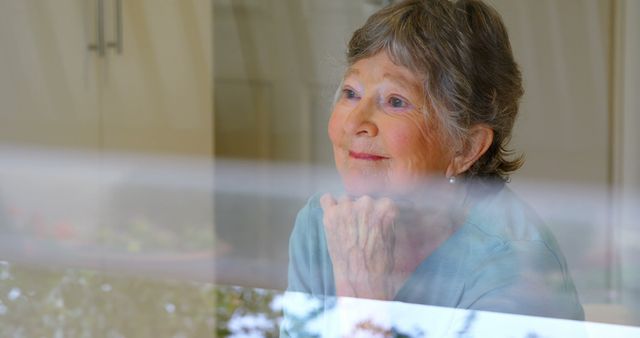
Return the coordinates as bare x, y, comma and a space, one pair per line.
361, 239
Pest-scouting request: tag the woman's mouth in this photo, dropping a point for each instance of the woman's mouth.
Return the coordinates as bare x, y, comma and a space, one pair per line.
366, 156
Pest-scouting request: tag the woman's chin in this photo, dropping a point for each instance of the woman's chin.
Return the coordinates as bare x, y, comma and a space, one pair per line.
400, 189
374, 189
362, 188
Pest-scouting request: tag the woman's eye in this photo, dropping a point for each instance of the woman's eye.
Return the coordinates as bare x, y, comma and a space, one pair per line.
397, 102
349, 93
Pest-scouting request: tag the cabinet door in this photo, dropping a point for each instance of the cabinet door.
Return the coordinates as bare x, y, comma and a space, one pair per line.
48, 94
156, 92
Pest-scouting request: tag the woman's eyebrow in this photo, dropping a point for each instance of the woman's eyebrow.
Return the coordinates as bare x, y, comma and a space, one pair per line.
351, 71
397, 79
402, 81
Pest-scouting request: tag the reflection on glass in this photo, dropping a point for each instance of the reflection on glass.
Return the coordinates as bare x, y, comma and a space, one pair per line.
96, 244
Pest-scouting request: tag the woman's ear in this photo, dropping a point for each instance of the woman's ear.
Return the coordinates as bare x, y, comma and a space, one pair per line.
480, 139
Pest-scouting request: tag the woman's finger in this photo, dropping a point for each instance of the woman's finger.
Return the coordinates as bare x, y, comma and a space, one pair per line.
372, 239
364, 218
388, 213
344, 199
389, 225
385, 205
327, 201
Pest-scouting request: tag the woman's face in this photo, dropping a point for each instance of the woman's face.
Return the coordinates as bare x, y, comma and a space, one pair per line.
382, 141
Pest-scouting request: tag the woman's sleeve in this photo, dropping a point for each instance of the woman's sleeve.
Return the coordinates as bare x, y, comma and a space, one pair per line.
524, 277
309, 273
299, 261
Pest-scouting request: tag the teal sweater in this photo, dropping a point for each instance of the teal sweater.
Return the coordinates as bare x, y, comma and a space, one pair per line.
501, 259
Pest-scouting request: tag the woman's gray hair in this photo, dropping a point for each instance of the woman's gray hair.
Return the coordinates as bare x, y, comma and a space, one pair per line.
461, 49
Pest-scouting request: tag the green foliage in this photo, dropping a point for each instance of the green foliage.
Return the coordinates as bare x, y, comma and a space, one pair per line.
72, 303
236, 302
37, 302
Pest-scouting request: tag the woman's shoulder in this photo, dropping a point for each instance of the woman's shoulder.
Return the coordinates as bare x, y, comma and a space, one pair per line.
519, 253
502, 223
509, 231
503, 215
309, 218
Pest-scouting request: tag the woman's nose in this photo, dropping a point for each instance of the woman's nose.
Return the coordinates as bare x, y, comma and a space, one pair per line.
360, 119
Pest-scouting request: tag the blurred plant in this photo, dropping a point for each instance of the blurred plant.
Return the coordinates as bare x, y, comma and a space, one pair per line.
73, 303
368, 328
247, 311
41, 302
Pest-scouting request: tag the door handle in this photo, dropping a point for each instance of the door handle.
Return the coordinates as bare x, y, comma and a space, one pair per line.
118, 43
99, 46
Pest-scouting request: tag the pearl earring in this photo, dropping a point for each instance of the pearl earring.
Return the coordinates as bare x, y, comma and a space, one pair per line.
452, 180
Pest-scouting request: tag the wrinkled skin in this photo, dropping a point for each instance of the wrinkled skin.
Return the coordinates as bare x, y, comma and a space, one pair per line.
376, 244
385, 149
361, 241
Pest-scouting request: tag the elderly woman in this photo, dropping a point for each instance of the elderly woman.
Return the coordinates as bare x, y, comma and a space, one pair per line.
419, 132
